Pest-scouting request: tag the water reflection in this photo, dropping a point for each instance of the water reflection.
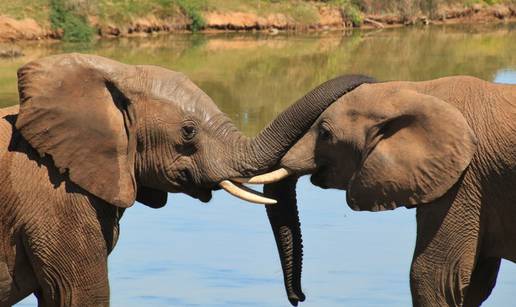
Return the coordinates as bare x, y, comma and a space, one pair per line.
223, 253
253, 77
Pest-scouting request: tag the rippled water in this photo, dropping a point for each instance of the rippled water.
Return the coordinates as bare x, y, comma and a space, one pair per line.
223, 253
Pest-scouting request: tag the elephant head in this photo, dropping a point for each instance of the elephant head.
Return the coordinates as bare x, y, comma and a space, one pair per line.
386, 144
135, 132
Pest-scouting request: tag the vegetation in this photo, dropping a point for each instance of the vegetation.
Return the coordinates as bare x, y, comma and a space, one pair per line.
67, 17
415, 6
350, 9
302, 11
76, 19
192, 9
19, 9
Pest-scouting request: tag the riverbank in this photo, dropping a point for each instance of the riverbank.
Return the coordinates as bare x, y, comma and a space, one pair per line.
79, 20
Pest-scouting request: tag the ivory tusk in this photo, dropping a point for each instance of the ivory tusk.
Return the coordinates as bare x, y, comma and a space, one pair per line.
245, 193
270, 177
240, 180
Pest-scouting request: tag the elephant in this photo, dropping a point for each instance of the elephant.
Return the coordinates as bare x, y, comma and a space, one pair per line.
90, 137
446, 147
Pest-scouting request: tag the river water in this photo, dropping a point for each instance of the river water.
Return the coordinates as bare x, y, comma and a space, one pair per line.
223, 253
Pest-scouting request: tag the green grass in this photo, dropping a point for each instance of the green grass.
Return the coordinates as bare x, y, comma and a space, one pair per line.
192, 9
351, 9
74, 16
71, 19
120, 12
20, 9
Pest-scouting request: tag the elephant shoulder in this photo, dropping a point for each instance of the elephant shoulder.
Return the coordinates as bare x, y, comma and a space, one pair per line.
20, 164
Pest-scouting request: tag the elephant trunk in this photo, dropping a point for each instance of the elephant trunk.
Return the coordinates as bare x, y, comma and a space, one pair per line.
264, 151
284, 220
250, 157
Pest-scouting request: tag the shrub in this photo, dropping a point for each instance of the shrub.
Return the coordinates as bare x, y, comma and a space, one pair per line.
192, 9
75, 27
350, 10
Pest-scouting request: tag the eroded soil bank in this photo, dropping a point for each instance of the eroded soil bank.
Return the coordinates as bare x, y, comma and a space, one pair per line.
323, 17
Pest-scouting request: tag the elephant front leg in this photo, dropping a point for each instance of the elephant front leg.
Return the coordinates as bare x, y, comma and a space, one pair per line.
5, 284
70, 267
80, 292
445, 253
82, 281
482, 281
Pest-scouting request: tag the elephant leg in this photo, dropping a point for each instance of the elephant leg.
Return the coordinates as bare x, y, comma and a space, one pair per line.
70, 264
39, 297
5, 284
446, 250
82, 281
73, 281
482, 282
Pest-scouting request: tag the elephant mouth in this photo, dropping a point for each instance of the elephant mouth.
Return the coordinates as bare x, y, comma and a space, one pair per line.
232, 187
203, 195
318, 176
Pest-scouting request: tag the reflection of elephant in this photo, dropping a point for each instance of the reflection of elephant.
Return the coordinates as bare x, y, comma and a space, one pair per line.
90, 137
446, 147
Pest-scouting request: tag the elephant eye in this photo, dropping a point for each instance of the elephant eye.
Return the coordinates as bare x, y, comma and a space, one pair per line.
324, 132
188, 131
185, 176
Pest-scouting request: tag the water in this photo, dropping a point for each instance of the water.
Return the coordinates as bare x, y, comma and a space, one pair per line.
223, 253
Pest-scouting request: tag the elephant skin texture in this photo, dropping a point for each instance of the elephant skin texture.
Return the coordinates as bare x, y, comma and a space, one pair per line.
90, 137
446, 147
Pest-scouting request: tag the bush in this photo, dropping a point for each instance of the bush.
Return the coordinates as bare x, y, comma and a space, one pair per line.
75, 27
350, 9
192, 9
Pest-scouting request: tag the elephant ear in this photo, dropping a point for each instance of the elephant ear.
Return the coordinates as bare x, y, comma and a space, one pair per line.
73, 109
414, 154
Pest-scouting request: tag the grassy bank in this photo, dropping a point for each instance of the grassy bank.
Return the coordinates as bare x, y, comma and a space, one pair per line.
81, 20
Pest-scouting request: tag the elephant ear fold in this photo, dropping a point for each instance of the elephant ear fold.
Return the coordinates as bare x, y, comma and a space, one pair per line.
72, 108
414, 154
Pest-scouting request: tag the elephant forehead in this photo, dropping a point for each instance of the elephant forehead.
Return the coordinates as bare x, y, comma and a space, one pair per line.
175, 88
350, 113
376, 103
379, 91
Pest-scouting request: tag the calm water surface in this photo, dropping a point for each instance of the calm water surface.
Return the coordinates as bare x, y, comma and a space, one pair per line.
223, 253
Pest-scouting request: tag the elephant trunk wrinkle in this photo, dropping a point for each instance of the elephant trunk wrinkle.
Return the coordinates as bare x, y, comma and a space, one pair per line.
284, 220
258, 155
277, 138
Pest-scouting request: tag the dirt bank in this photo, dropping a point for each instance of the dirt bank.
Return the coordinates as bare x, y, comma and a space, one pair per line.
26, 29
326, 18
476, 14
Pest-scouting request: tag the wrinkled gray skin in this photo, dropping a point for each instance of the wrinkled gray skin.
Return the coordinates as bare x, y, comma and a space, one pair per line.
445, 146
90, 137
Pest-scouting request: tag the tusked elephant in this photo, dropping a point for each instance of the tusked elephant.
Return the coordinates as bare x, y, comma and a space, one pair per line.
90, 137
446, 147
